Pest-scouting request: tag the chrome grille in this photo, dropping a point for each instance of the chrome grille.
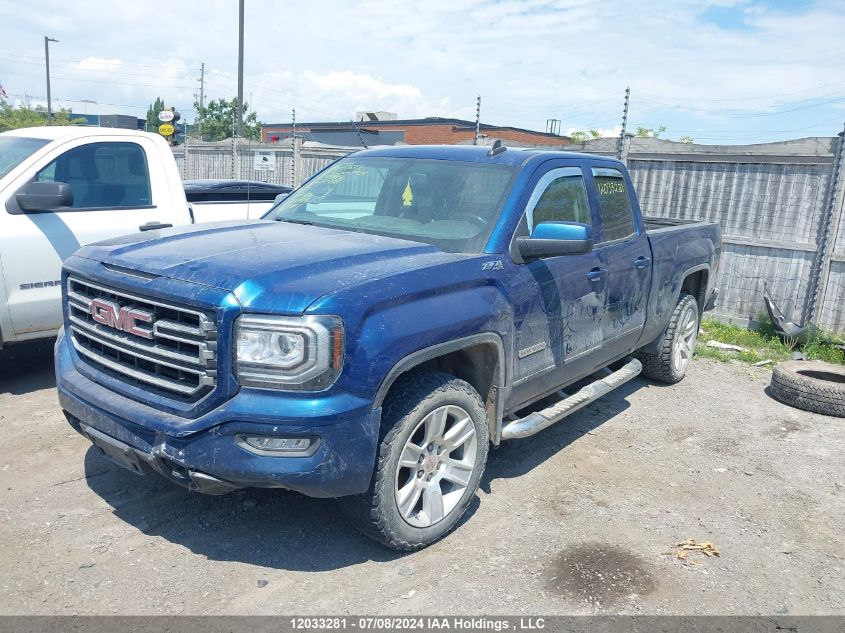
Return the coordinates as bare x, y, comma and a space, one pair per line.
176, 356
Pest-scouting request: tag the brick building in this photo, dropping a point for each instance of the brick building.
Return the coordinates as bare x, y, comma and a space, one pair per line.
429, 131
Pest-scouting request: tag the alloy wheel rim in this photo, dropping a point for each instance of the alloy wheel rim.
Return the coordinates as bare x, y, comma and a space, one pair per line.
684, 344
435, 466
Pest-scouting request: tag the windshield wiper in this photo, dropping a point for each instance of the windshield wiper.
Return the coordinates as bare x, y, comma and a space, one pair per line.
292, 221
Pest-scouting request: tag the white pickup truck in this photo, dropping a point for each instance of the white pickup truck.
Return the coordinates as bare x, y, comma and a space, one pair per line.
64, 187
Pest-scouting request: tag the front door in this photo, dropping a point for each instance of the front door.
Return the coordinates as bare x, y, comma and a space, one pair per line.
559, 302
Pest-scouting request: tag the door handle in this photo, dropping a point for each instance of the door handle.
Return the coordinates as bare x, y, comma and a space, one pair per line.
154, 225
597, 274
642, 262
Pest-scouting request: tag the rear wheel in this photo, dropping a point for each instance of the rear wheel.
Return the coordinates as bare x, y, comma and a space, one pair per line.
432, 454
677, 344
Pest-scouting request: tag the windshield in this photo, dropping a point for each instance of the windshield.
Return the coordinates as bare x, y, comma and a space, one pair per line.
15, 149
450, 204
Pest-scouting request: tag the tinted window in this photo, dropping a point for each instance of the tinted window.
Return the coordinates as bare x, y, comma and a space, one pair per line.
562, 197
103, 175
614, 203
15, 149
450, 204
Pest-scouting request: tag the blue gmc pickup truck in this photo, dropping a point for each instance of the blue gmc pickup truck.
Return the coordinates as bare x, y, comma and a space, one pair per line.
380, 329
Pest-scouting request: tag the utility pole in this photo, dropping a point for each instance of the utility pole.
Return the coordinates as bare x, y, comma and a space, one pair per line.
477, 120
240, 68
47, 41
621, 143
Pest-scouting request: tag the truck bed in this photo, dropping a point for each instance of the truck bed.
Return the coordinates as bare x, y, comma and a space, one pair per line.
654, 223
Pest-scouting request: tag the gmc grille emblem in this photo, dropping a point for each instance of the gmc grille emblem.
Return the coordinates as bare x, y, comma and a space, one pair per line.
124, 319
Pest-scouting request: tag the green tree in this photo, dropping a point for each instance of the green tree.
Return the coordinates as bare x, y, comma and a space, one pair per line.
12, 118
216, 120
648, 132
152, 115
580, 136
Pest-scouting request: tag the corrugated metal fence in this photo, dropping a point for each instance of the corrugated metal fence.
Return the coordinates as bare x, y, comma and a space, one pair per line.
773, 201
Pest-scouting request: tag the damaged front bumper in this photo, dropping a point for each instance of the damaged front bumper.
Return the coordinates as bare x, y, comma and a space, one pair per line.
207, 454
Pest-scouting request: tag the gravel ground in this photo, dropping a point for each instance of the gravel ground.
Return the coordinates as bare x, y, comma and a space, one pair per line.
578, 520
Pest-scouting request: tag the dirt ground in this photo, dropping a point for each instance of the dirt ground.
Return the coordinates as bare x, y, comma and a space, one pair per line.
576, 520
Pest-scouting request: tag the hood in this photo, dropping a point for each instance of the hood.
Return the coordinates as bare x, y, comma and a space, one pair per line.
269, 266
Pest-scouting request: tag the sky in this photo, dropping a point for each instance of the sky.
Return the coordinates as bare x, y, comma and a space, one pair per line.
718, 71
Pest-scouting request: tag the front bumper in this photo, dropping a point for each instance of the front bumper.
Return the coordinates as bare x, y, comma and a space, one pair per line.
203, 453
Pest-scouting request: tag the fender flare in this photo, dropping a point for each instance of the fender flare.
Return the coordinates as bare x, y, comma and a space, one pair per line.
421, 356
692, 271
652, 345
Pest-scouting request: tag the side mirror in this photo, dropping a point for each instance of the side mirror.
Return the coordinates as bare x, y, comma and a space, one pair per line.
280, 197
552, 239
44, 196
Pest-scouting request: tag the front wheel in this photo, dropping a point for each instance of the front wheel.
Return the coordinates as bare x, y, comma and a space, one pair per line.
432, 454
677, 344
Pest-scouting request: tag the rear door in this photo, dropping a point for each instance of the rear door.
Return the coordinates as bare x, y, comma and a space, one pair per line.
623, 246
112, 195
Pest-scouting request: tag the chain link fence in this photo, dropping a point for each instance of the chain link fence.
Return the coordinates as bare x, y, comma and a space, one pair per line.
278, 163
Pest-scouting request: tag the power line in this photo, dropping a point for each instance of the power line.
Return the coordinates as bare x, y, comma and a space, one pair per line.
70, 67
17, 57
728, 133
783, 94
103, 81
741, 114
571, 104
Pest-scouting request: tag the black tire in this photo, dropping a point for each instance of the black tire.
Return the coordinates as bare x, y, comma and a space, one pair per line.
660, 366
414, 396
810, 386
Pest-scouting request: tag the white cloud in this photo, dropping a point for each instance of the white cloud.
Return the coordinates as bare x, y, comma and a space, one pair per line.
360, 85
98, 64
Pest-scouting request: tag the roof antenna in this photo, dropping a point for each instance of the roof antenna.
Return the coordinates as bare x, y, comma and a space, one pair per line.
497, 148
358, 132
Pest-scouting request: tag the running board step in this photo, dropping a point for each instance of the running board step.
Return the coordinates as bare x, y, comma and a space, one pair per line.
536, 422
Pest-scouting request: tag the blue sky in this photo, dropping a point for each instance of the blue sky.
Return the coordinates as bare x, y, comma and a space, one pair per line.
720, 71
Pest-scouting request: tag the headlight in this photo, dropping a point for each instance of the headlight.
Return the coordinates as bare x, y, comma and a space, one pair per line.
297, 353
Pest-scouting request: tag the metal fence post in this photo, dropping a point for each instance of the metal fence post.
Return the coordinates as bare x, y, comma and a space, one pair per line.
626, 147
185, 155
837, 202
621, 142
296, 148
830, 225
234, 151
